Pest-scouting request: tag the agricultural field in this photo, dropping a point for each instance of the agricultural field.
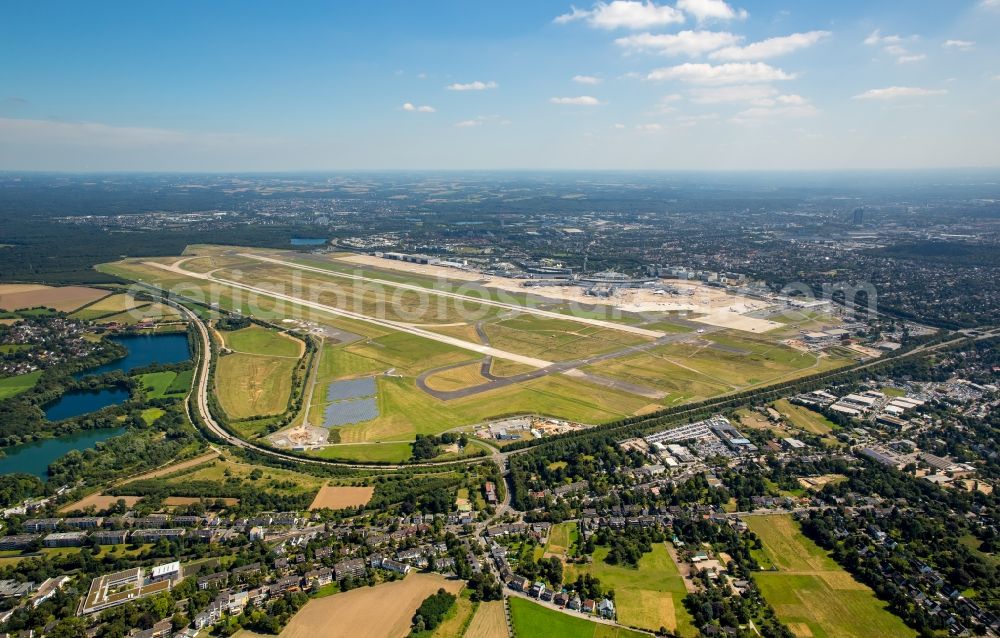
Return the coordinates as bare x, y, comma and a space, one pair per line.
153, 311
810, 593
12, 386
99, 501
63, 299
532, 620
110, 305
650, 596
490, 621
368, 612
338, 497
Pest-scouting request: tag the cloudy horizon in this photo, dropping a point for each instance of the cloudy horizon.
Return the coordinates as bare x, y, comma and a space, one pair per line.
623, 84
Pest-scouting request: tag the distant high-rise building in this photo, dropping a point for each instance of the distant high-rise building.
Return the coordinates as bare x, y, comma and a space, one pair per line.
859, 216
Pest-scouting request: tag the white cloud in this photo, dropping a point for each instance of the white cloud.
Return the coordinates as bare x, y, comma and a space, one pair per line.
468, 123
893, 45
730, 73
791, 99
770, 48
727, 94
894, 92
649, 128
692, 43
587, 79
692, 120
581, 100
472, 86
756, 114
409, 106
990, 4
624, 14
106, 136
962, 45
618, 126
710, 10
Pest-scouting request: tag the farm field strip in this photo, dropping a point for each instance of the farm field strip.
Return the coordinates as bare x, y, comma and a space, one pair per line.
490, 621
645, 332
532, 620
367, 612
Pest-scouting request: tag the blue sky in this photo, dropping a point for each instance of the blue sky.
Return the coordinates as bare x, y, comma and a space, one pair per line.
686, 84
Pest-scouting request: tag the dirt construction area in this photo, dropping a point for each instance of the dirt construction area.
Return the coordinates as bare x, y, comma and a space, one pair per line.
384, 611
65, 299
338, 497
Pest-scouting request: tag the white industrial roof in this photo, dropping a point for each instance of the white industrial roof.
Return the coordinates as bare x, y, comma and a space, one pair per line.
169, 568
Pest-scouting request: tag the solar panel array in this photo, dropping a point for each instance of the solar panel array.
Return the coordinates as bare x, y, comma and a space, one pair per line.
350, 411
350, 389
352, 401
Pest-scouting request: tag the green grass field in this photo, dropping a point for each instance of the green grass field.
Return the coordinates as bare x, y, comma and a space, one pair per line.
811, 593
150, 415
532, 620
405, 410
556, 339
384, 452
255, 339
12, 386
804, 418
159, 385
250, 385
650, 596
273, 479
561, 538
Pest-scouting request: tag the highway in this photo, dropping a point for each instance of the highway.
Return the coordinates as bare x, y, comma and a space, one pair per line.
201, 390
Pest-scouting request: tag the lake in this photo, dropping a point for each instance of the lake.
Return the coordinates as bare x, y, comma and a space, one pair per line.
144, 350
77, 402
35, 457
